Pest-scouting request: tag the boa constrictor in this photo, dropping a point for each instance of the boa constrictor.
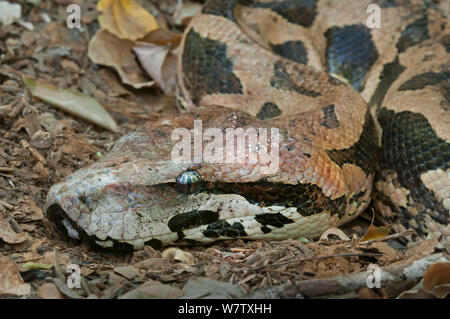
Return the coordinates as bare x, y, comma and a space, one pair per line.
310, 68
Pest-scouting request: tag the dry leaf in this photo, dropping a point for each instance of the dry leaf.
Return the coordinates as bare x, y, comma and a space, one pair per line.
8, 235
49, 291
107, 49
416, 292
376, 232
178, 255
125, 18
419, 292
73, 102
436, 275
159, 63
334, 231
441, 291
10, 280
48, 121
163, 37
184, 13
28, 211
151, 290
9, 12
128, 272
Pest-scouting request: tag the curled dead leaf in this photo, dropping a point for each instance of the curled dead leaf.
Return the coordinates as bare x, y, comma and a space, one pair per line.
185, 12
8, 235
376, 232
178, 255
437, 274
163, 37
107, 49
9, 12
334, 231
10, 280
125, 18
49, 290
159, 63
152, 290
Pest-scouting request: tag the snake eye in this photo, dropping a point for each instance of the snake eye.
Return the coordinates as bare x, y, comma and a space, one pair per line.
189, 182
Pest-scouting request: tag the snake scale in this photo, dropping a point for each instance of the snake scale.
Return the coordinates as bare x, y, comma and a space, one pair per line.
363, 115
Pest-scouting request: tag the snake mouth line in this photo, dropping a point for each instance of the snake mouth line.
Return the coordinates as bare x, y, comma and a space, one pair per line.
68, 228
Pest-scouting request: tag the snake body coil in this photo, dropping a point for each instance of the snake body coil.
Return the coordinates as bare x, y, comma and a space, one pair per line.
310, 69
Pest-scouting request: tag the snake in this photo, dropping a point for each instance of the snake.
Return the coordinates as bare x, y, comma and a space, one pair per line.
356, 94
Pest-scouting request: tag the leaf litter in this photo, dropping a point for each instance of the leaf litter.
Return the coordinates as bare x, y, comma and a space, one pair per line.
41, 143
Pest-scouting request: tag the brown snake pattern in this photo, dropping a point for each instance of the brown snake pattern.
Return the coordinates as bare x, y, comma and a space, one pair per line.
311, 69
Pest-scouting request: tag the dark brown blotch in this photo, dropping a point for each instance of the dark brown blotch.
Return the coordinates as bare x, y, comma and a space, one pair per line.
268, 110
297, 12
223, 228
191, 219
363, 153
273, 219
420, 81
330, 119
282, 80
350, 52
292, 50
414, 33
207, 68
411, 147
391, 71
445, 41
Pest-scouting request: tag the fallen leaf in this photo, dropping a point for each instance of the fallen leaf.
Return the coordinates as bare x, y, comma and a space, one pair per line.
416, 292
184, 13
441, 291
128, 272
107, 49
178, 255
159, 63
62, 287
436, 279
162, 36
10, 280
153, 263
50, 123
376, 232
8, 235
41, 140
73, 102
9, 12
28, 211
334, 231
49, 291
151, 290
202, 287
366, 293
125, 18
437, 274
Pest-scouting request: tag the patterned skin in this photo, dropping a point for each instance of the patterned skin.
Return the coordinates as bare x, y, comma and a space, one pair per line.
250, 64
